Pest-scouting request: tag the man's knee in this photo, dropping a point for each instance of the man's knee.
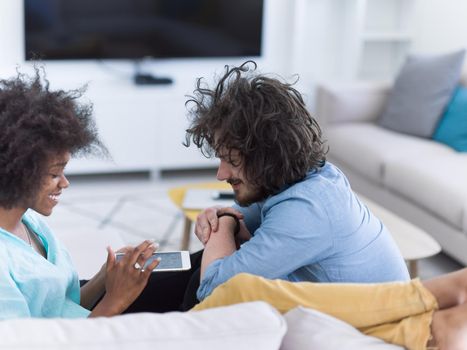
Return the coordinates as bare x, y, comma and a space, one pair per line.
241, 280
243, 284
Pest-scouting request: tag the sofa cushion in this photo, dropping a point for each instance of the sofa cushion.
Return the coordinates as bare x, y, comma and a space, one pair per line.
436, 182
244, 326
421, 92
452, 128
366, 148
311, 329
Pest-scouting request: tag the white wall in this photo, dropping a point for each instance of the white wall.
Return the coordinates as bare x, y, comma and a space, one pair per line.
277, 34
441, 25
305, 37
325, 47
301, 36
315, 43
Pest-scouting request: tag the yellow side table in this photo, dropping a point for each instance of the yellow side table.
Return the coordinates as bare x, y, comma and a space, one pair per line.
177, 195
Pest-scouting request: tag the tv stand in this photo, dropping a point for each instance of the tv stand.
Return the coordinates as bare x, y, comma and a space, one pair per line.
149, 79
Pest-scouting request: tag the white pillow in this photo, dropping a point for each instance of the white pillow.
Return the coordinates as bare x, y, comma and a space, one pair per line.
311, 329
253, 325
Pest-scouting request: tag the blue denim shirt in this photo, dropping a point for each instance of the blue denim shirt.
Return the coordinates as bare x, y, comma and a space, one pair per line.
315, 230
32, 286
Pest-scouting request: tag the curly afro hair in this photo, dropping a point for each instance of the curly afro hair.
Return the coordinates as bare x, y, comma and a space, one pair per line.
263, 118
35, 125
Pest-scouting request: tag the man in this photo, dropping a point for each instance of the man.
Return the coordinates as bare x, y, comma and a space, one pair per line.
299, 219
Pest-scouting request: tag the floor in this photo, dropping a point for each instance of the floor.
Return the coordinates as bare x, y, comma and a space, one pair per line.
97, 211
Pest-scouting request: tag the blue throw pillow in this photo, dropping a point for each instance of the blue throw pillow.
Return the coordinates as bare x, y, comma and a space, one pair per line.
452, 128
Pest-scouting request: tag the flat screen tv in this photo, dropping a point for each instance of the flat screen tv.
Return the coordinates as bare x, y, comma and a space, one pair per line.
133, 29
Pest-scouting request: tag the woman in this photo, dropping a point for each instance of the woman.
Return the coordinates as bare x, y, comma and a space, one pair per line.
40, 130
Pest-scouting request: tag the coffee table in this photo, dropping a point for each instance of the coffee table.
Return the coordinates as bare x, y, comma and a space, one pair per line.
413, 242
178, 193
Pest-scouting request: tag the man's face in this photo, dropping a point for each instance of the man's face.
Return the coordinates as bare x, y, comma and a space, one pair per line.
231, 170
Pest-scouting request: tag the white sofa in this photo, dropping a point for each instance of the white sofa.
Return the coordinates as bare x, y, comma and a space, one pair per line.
419, 179
246, 326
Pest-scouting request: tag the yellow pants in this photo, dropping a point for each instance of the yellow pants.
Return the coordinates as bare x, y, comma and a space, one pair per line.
399, 313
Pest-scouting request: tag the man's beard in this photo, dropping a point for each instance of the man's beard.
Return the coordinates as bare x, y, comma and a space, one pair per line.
250, 196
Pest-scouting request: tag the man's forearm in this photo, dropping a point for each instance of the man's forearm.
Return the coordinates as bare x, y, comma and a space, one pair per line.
220, 244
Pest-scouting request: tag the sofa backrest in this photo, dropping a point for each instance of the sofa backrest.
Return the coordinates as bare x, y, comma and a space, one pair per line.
350, 102
358, 101
254, 325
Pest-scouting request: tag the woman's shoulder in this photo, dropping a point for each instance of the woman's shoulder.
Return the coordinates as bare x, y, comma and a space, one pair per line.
36, 223
32, 218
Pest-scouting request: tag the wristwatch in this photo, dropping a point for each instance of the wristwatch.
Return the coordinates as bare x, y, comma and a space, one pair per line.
237, 221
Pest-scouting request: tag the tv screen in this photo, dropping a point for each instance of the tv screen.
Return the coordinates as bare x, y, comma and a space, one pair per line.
132, 29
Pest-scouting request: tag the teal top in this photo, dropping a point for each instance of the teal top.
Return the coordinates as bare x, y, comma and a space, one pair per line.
32, 286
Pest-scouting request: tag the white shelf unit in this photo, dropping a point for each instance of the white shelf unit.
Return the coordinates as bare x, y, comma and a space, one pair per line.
387, 37
379, 36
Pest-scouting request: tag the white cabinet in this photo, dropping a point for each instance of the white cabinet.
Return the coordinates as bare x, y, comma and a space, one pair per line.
379, 36
143, 129
126, 123
171, 130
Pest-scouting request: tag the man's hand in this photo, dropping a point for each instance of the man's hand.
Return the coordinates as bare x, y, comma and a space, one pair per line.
207, 222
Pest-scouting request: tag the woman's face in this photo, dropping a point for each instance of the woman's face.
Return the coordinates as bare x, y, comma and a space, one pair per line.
52, 185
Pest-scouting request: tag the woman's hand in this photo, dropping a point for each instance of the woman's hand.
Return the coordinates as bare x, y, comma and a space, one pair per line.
125, 279
207, 221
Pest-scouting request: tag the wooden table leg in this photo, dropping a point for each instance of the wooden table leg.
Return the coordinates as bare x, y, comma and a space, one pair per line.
413, 268
185, 245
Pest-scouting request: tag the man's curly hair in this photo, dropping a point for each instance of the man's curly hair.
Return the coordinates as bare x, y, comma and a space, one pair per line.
35, 125
264, 119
